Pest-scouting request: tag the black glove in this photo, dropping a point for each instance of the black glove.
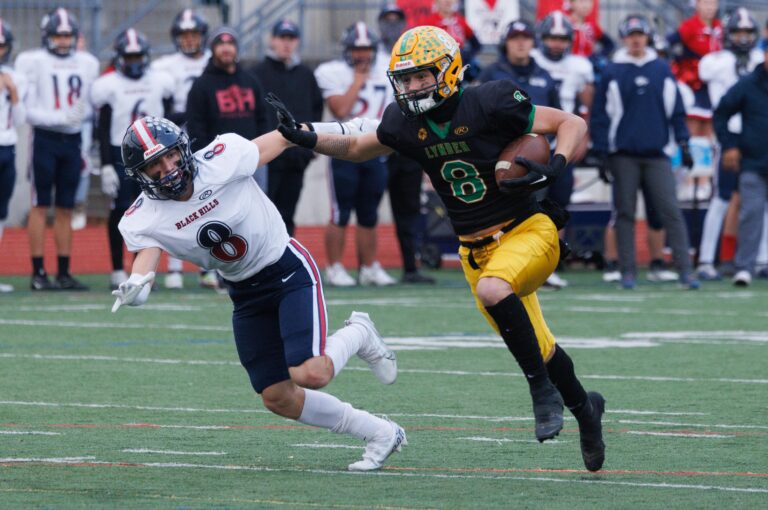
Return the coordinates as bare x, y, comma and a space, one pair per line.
288, 127
555, 167
685, 154
532, 181
601, 162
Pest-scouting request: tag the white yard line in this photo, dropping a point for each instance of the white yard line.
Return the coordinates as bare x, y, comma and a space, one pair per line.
168, 452
388, 473
679, 434
28, 433
316, 445
695, 425
506, 440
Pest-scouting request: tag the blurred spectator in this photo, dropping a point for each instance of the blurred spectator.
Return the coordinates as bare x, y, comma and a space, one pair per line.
746, 154
698, 35
59, 79
121, 97
405, 174
283, 73
13, 88
636, 106
189, 32
79, 215
446, 15
588, 36
490, 19
575, 78
356, 86
719, 71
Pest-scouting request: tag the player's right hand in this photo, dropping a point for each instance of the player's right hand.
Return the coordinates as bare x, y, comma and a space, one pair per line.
288, 127
134, 291
110, 182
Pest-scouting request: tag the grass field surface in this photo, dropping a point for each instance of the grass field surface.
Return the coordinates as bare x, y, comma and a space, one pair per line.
149, 408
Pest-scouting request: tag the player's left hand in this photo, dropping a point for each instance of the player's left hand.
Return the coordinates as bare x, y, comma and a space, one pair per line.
287, 125
685, 155
130, 291
554, 168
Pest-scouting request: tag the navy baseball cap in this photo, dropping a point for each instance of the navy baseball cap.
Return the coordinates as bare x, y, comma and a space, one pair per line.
286, 28
520, 27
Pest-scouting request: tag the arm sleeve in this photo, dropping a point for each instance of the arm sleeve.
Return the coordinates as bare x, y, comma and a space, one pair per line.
731, 103
197, 118
598, 120
104, 123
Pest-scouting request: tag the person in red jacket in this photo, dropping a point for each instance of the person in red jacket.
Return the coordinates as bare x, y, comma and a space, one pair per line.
698, 35
446, 15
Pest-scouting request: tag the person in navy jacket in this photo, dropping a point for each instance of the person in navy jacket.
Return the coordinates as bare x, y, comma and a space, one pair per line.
746, 154
637, 106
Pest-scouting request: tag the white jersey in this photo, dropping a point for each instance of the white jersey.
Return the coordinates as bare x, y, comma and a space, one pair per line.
228, 224
56, 85
335, 77
131, 99
12, 116
718, 71
183, 70
571, 73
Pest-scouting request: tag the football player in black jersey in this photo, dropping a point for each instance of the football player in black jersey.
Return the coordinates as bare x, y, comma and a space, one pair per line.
508, 247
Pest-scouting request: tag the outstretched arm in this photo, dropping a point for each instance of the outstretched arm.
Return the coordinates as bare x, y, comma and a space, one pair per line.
135, 290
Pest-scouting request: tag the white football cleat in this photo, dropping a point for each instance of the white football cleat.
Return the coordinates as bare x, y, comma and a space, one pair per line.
375, 275
5, 287
209, 280
555, 282
381, 360
707, 272
742, 278
378, 449
174, 281
337, 276
661, 274
116, 278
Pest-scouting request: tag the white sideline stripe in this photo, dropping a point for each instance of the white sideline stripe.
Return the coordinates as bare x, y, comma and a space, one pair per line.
169, 452
676, 424
679, 434
264, 469
316, 445
28, 433
52, 460
111, 325
169, 361
506, 440
658, 311
124, 406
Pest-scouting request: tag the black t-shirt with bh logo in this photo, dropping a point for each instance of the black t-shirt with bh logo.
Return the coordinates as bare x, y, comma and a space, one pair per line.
460, 156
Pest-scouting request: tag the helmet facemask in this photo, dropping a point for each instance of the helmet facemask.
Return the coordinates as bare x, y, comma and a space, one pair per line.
416, 102
170, 187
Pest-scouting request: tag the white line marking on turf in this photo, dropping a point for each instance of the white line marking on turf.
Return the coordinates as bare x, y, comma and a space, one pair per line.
112, 325
676, 424
447, 476
169, 452
316, 445
679, 434
506, 440
124, 406
28, 433
51, 460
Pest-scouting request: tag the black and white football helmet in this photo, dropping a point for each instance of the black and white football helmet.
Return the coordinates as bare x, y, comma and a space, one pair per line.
148, 139
6, 40
741, 21
59, 22
189, 21
555, 24
358, 36
129, 43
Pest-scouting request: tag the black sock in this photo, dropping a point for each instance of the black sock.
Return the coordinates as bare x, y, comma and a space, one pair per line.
115, 239
561, 373
37, 266
517, 331
63, 265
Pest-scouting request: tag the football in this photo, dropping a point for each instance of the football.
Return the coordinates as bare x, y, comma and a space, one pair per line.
530, 146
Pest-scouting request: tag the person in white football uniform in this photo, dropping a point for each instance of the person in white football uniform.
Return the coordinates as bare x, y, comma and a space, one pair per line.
575, 78
12, 114
721, 70
188, 32
206, 208
356, 86
121, 97
59, 79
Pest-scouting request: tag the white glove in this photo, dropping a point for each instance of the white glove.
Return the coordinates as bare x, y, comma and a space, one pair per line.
75, 115
110, 182
134, 291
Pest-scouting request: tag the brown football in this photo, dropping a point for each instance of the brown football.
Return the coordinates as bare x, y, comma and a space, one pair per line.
530, 146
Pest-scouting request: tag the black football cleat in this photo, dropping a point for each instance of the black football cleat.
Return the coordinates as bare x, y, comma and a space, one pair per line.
547, 411
591, 433
415, 277
68, 282
41, 282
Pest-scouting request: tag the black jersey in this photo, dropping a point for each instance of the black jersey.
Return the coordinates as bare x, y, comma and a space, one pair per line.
460, 156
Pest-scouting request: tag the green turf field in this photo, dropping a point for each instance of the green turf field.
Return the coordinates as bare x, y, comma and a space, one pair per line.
148, 408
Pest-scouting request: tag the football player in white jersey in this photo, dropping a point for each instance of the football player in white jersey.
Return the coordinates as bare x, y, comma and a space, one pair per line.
721, 70
12, 113
356, 86
206, 208
121, 97
188, 32
59, 79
